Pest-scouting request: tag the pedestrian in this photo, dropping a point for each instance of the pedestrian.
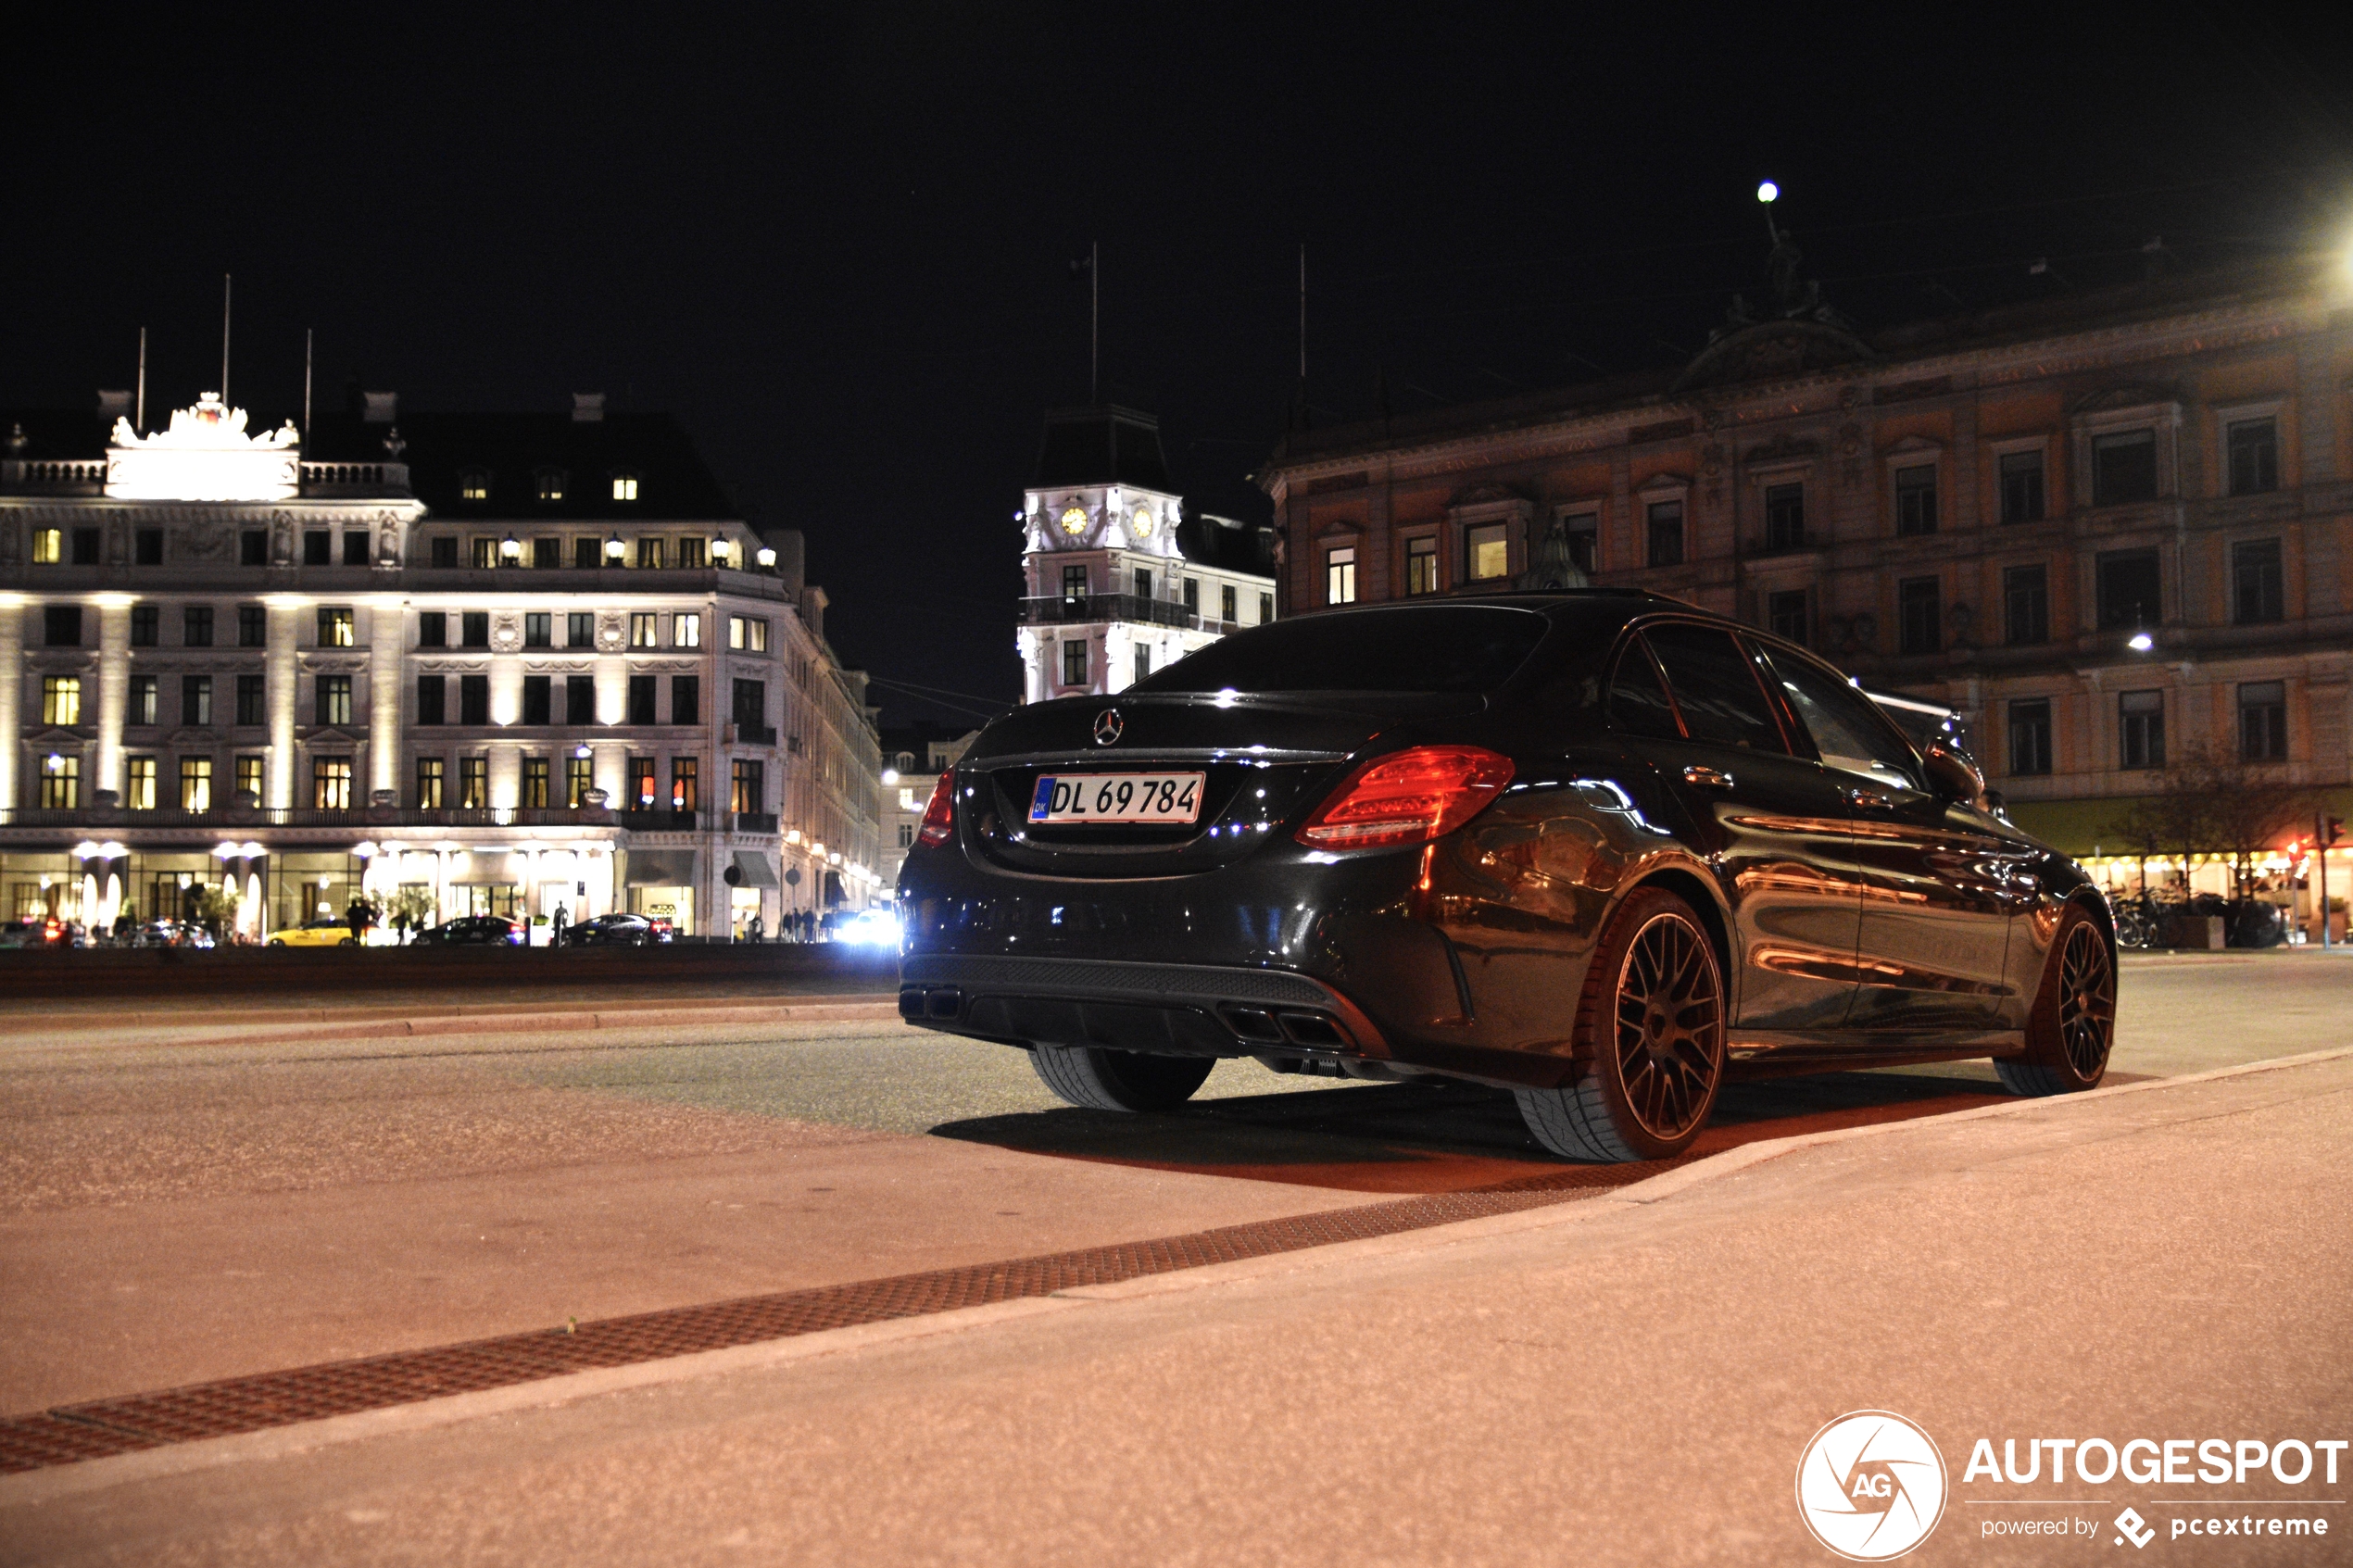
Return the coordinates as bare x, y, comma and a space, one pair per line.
355, 915
755, 930
556, 925
401, 926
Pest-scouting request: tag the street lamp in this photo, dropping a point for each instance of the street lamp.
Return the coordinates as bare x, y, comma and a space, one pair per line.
511, 549
2140, 642
767, 559
615, 549
1768, 193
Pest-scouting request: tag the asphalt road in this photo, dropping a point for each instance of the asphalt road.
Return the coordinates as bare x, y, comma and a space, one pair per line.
174, 1212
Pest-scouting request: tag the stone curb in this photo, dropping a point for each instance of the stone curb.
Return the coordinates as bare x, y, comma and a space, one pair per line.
92, 1476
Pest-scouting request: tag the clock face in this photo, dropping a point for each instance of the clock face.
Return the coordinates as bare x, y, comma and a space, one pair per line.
1141, 525
1073, 520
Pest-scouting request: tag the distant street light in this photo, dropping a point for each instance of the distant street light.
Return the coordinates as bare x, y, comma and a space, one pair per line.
2141, 642
1768, 193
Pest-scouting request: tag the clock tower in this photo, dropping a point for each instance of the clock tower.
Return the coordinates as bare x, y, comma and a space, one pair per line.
1119, 578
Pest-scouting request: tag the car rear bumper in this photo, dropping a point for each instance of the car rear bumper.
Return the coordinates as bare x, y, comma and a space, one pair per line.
1182, 1009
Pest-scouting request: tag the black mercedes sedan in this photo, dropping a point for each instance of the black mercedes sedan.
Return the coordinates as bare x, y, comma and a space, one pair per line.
1600, 849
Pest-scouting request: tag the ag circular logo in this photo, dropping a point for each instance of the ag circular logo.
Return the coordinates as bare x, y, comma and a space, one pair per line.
1870, 1485
1108, 726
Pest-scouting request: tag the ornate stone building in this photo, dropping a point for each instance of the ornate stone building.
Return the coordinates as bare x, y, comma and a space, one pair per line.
506, 661
1120, 579
2108, 529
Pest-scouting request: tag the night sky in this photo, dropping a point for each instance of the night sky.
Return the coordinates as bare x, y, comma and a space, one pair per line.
839, 246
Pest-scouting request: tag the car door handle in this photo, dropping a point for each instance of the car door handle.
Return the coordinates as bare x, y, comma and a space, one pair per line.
1706, 778
1870, 801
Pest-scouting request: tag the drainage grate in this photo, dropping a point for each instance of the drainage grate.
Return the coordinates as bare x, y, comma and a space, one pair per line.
104, 1427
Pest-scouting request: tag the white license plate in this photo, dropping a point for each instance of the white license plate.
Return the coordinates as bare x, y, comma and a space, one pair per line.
1117, 797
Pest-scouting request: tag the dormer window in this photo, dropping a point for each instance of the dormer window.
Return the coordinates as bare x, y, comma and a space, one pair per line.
552, 485
625, 487
474, 484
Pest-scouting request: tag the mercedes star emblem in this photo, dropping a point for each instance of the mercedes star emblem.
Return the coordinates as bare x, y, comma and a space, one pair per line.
1108, 727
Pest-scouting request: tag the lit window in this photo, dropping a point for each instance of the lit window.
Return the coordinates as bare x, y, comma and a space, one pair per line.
645, 629
650, 554
335, 627
61, 782
474, 484
48, 546
625, 487
61, 699
686, 631
139, 784
196, 783
485, 553
1339, 576
1486, 552
331, 783
249, 776
552, 485
747, 633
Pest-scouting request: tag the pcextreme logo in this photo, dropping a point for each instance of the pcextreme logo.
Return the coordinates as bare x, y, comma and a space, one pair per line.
1870, 1485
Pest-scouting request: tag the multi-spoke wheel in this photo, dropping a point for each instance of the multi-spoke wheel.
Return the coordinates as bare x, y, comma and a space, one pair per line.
2073, 1025
1650, 1034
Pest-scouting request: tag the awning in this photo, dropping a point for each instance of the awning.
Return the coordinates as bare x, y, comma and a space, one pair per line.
753, 870
659, 867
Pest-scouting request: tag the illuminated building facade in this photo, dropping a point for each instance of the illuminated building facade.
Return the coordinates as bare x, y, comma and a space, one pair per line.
1120, 580
2108, 529
482, 663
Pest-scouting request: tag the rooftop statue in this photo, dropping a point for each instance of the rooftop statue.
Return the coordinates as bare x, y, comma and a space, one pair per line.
211, 426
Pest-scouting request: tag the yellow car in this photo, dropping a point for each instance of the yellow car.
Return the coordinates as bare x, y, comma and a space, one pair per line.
318, 933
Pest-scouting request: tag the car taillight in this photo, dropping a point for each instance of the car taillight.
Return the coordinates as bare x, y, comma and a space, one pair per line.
1410, 797
939, 817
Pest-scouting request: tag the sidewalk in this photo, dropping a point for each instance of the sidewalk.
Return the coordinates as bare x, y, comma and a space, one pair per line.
1630, 1378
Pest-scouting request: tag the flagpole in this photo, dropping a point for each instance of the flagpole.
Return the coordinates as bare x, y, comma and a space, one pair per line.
1094, 319
225, 281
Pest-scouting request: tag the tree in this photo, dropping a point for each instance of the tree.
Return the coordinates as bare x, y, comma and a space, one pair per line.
2211, 803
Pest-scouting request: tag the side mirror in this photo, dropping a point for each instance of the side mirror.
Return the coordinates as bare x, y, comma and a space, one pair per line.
1951, 776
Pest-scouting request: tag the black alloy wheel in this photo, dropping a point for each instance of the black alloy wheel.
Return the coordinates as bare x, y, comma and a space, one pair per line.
2073, 1025
1651, 1015
1670, 1036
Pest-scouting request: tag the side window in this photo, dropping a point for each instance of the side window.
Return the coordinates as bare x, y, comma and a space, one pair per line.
1638, 698
1715, 687
1848, 730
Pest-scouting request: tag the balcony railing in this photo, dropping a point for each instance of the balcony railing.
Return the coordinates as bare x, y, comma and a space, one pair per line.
73, 477
663, 820
751, 734
763, 822
1108, 607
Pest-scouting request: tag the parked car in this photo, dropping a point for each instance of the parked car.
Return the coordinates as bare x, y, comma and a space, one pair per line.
172, 934
619, 931
24, 933
475, 930
315, 934
1597, 847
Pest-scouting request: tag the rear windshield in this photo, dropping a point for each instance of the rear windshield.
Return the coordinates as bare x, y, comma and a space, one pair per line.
1421, 649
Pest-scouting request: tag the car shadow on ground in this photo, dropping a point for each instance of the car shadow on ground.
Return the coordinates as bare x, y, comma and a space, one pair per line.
1442, 1137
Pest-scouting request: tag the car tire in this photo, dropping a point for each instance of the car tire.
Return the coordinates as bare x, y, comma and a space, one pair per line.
277, 941
348, 942
1650, 1034
2072, 1028
1095, 1079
